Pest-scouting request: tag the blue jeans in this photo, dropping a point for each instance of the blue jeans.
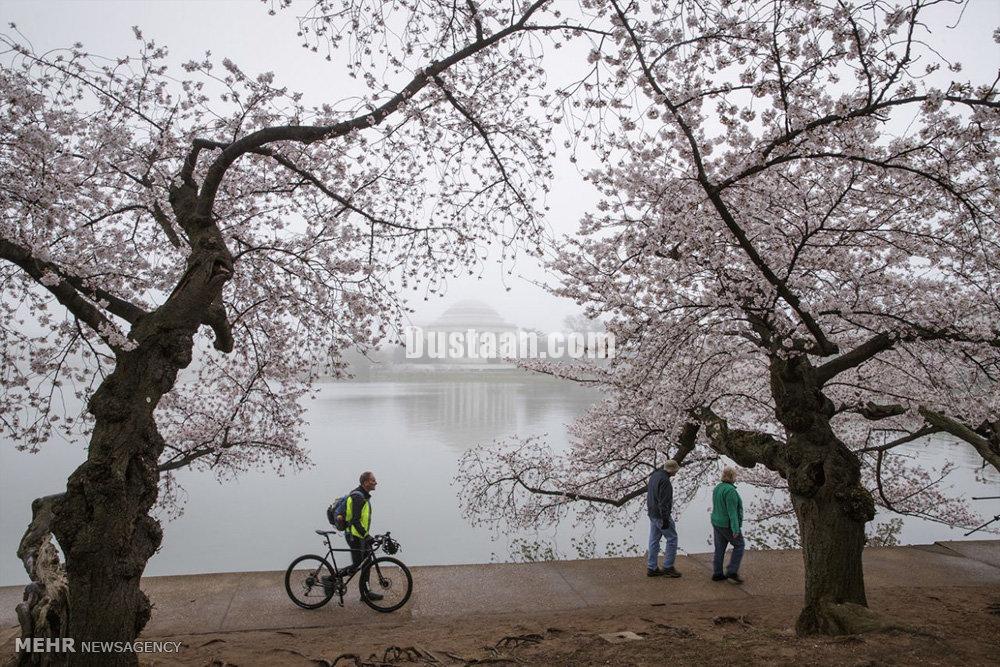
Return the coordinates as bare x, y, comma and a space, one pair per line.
668, 531
723, 538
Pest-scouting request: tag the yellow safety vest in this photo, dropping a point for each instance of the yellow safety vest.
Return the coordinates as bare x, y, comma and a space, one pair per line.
365, 520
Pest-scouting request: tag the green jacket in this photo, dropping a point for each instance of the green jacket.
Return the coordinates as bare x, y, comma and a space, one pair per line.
727, 507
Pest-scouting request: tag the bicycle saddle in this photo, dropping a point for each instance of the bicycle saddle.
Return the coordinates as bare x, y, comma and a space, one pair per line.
326, 532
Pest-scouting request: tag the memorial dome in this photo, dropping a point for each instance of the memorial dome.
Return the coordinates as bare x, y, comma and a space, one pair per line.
470, 314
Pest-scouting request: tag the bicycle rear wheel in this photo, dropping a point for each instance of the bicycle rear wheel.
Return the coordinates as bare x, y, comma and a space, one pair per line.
304, 581
389, 578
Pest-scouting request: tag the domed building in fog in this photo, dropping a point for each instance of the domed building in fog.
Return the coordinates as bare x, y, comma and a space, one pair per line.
464, 317
471, 314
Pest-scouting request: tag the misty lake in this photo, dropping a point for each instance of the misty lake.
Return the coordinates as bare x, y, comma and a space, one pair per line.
411, 432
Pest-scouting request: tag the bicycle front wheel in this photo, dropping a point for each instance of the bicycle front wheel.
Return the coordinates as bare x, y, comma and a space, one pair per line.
304, 581
389, 579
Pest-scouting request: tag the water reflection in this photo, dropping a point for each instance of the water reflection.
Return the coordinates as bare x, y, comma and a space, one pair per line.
458, 414
411, 431
937, 450
462, 415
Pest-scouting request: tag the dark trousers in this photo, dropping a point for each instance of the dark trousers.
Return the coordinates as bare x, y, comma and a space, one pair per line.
723, 538
357, 547
358, 551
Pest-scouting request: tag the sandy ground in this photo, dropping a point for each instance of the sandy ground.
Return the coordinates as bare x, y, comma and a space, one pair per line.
940, 605
931, 626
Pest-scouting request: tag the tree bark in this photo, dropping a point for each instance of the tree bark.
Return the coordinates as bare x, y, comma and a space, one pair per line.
832, 544
831, 505
102, 522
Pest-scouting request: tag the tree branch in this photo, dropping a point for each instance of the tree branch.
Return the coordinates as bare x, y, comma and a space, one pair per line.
65, 293
875, 411
902, 440
484, 134
825, 346
215, 317
161, 219
686, 444
69, 288
570, 495
340, 199
747, 448
835, 118
687, 441
878, 481
474, 11
859, 355
44, 611
308, 134
986, 449
884, 341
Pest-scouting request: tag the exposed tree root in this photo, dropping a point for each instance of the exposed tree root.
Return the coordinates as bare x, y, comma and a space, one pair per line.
44, 611
513, 642
394, 655
828, 618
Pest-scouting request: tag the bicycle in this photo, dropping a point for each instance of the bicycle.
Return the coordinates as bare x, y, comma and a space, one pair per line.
311, 581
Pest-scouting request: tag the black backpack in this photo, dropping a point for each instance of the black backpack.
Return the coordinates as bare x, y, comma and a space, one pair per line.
336, 513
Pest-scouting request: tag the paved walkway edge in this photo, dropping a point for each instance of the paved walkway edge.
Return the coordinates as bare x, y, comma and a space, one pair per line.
233, 602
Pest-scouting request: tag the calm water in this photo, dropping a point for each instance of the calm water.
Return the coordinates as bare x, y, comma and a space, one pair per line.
411, 433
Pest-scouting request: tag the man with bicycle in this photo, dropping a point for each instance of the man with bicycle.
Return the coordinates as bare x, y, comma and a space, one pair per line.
311, 580
359, 520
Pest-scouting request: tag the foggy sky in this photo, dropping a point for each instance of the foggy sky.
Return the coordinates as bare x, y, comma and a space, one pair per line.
242, 31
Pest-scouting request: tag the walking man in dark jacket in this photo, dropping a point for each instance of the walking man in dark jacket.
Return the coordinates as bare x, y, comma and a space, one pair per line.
659, 503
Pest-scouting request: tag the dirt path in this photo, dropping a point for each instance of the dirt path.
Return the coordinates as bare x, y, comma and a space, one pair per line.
941, 603
932, 626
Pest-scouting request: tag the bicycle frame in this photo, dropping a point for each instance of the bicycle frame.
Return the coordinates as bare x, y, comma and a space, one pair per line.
333, 560
369, 565
340, 579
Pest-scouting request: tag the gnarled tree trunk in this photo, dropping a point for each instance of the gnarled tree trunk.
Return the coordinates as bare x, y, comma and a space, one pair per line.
830, 503
102, 524
102, 521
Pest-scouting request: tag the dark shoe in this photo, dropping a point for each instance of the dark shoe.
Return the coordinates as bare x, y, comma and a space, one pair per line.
671, 572
372, 596
654, 573
734, 578
718, 577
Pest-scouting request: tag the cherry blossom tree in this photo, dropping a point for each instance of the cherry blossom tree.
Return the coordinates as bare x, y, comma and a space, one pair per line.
796, 249
180, 248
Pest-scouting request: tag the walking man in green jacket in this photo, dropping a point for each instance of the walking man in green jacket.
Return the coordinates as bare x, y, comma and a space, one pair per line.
727, 522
